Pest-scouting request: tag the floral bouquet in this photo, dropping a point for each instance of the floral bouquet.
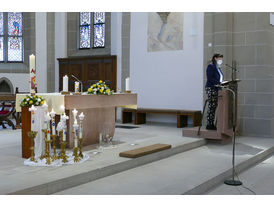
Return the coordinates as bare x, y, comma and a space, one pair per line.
100, 88
32, 100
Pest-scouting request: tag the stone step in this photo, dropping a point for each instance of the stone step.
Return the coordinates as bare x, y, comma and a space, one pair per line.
51, 180
192, 172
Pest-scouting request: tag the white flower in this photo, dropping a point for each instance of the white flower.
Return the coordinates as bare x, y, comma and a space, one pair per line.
39, 100
27, 99
102, 88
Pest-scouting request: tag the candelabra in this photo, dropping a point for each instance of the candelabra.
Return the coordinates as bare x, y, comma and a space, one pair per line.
32, 135
75, 149
80, 148
54, 157
47, 152
63, 155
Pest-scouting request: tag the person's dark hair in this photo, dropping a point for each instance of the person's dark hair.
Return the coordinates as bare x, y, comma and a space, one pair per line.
216, 56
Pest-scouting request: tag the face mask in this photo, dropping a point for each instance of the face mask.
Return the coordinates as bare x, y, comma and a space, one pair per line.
219, 62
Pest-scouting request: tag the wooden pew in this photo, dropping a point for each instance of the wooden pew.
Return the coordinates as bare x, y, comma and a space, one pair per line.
182, 115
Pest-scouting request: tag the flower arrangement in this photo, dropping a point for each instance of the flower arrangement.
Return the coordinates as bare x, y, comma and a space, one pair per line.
100, 88
32, 100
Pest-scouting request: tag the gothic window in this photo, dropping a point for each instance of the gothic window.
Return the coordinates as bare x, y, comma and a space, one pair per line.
98, 30
11, 37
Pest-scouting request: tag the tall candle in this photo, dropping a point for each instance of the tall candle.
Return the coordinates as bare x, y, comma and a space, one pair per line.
32, 110
64, 134
32, 73
52, 115
76, 87
74, 112
48, 125
65, 83
75, 127
127, 84
62, 109
81, 117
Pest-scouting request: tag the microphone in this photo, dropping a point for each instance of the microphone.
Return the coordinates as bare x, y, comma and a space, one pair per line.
230, 67
78, 81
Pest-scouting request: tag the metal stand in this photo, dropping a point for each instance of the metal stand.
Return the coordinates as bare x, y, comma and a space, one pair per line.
200, 125
233, 182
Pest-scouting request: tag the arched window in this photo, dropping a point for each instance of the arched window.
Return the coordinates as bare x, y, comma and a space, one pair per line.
11, 37
98, 30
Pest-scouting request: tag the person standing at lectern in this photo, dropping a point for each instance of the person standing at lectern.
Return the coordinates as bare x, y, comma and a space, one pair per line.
214, 76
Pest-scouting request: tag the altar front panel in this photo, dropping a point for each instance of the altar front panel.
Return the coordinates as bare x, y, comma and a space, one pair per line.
97, 120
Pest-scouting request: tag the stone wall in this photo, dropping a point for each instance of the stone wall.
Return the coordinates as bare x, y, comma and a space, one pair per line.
73, 39
247, 38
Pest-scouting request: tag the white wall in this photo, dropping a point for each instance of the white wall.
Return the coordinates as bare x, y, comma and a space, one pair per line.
41, 51
116, 47
167, 79
18, 80
60, 42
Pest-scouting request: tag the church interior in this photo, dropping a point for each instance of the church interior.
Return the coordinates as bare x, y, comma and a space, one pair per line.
117, 103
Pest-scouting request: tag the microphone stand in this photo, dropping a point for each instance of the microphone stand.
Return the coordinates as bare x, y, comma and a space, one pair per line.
233, 182
78, 81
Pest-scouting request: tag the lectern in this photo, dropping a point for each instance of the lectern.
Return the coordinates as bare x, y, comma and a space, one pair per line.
224, 114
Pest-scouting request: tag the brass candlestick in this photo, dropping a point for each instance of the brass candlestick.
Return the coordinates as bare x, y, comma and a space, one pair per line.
54, 157
32, 135
62, 154
47, 152
75, 154
80, 148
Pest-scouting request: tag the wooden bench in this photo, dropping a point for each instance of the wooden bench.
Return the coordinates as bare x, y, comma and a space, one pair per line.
182, 115
7, 109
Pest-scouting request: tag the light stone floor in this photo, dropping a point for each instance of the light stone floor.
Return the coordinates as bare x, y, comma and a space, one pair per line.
260, 179
15, 176
174, 175
177, 174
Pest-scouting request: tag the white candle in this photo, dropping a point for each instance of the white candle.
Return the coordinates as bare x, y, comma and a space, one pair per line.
81, 117
127, 84
64, 135
52, 115
48, 125
32, 110
74, 112
62, 109
75, 142
76, 84
32, 73
48, 134
65, 83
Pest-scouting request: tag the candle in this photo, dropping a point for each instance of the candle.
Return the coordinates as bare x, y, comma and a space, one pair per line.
64, 118
81, 117
127, 84
48, 125
32, 73
65, 83
52, 115
64, 135
62, 109
75, 142
74, 112
75, 127
32, 110
76, 84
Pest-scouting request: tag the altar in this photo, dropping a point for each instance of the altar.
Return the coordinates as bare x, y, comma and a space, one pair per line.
99, 113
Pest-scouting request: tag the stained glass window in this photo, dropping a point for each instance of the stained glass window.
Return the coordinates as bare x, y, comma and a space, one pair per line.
11, 37
15, 40
99, 29
1, 36
86, 30
85, 21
